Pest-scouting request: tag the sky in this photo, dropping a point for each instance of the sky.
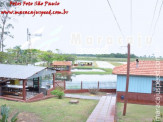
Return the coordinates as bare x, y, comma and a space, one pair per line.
90, 28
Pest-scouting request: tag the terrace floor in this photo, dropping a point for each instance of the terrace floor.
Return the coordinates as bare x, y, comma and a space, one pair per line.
19, 98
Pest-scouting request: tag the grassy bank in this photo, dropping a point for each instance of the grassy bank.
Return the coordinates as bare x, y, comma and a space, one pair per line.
136, 113
55, 110
116, 63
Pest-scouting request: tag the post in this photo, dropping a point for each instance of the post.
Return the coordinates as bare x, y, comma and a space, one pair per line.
24, 90
98, 85
127, 81
38, 83
81, 85
64, 85
53, 80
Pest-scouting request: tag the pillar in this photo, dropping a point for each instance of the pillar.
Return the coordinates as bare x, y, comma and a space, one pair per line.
24, 89
53, 80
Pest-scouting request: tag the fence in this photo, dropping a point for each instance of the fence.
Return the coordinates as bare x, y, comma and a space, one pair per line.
84, 86
88, 85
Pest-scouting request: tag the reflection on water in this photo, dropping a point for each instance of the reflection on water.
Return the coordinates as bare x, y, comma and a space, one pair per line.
87, 70
91, 81
79, 78
111, 78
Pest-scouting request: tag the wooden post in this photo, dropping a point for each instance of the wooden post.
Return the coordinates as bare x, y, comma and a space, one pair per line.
24, 90
98, 85
38, 84
53, 80
127, 81
64, 85
81, 85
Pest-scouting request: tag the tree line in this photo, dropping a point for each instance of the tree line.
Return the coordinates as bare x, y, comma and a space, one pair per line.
17, 55
112, 55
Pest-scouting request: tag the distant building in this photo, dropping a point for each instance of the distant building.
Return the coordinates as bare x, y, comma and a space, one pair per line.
62, 66
142, 82
83, 63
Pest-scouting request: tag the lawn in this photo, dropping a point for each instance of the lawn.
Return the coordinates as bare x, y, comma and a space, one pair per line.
116, 63
136, 113
55, 110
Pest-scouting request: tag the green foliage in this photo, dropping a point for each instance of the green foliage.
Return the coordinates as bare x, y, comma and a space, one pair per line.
47, 56
3, 57
14, 118
112, 55
93, 90
58, 93
5, 114
158, 120
17, 55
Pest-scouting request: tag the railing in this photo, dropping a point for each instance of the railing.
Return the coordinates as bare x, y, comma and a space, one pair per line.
89, 85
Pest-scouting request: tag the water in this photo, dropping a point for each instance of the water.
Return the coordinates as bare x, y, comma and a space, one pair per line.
87, 70
92, 81
92, 78
88, 81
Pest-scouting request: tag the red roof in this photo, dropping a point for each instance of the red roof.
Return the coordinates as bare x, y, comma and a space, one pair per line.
145, 68
62, 63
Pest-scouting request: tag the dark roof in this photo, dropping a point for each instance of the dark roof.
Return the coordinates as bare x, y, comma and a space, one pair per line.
145, 68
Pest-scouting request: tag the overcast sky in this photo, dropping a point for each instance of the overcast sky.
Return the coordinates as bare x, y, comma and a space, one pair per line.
94, 26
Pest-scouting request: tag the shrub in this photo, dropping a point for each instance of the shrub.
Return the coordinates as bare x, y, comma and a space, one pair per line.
5, 113
93, 90
58, 93
154, 120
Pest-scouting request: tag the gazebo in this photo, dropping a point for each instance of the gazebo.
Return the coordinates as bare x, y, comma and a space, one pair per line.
24, 81
62, 66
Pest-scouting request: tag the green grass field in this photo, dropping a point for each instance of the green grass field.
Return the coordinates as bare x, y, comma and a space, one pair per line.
136, 113
111, 59
116, 63
55, 110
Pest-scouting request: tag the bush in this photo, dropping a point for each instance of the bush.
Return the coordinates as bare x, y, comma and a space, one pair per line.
93, 90
58, 93
154, 120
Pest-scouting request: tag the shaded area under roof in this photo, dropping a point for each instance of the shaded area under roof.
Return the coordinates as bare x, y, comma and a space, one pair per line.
23, 71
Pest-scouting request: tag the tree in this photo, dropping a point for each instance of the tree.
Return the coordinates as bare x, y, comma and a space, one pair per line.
4, 26
47, 56
70, 58
3, 57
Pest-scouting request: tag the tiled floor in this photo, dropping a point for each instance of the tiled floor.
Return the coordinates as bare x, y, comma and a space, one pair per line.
104, 111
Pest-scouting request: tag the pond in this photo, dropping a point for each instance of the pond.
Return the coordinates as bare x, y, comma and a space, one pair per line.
88, 81
87, 70
90, 78
92, 81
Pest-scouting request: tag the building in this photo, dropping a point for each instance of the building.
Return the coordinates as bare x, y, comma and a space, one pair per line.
142, 82
83, 63
62, 66
25, 83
